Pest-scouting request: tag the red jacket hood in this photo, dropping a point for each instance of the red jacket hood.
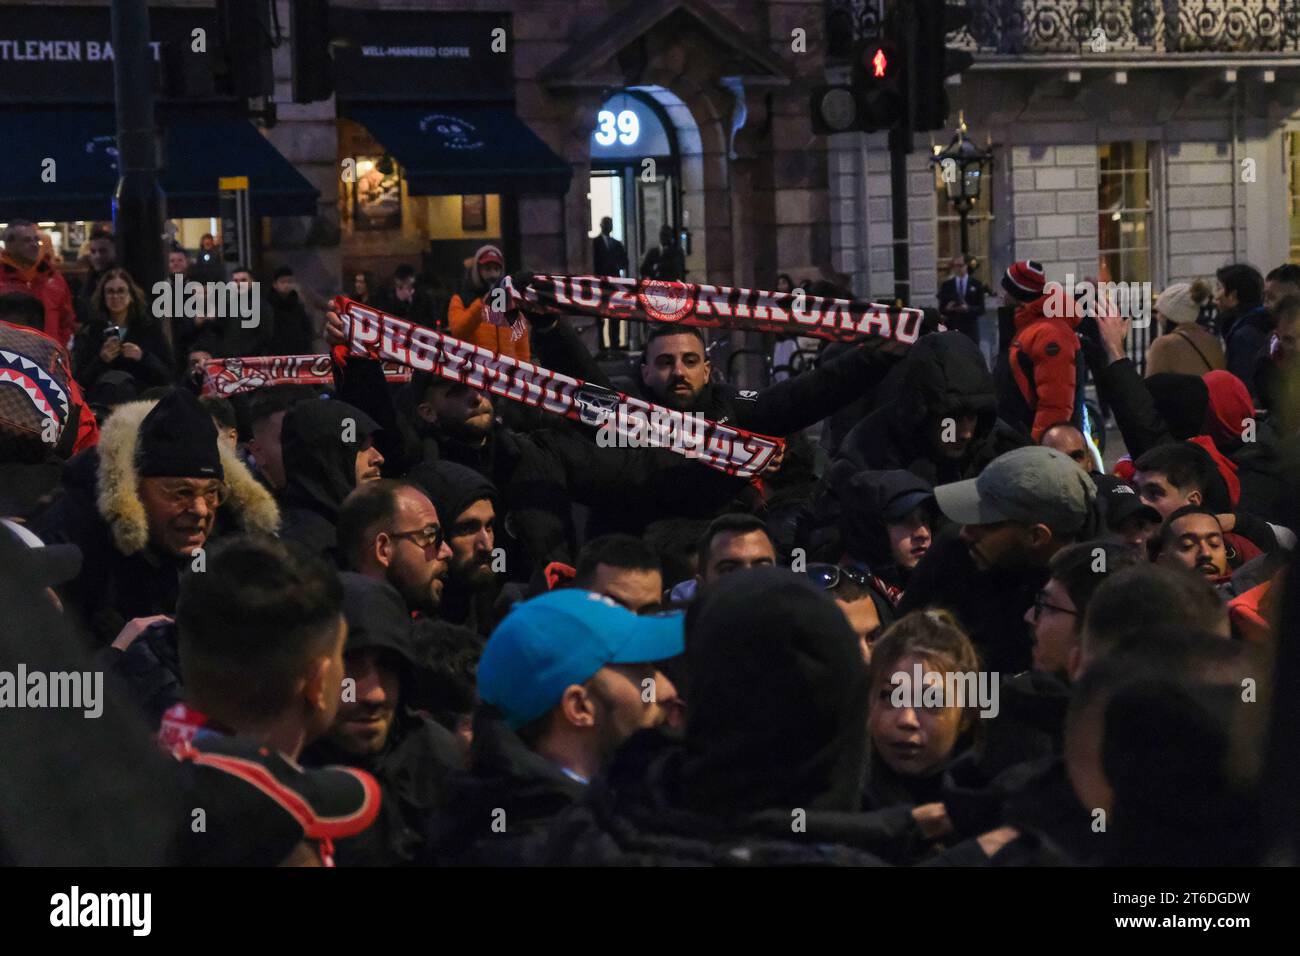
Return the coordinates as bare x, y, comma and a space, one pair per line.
1230, 404
1227, 469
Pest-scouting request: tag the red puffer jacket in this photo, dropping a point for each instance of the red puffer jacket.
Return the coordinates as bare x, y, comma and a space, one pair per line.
45, 282
1042, 361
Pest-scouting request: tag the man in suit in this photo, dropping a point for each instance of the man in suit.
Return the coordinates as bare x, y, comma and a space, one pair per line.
609, 258
961, 300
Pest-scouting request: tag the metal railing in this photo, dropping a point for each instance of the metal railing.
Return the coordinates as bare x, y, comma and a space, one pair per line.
1099, 27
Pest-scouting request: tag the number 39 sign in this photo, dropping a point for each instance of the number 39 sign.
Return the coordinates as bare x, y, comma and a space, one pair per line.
623, 126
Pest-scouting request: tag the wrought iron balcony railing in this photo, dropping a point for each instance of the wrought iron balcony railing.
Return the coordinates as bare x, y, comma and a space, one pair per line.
1092, 27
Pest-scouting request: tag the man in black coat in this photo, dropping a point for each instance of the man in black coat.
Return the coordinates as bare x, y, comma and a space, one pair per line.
609, 258
566, 678
328, 448
292, 330
378, 731
1022, 509
961, 300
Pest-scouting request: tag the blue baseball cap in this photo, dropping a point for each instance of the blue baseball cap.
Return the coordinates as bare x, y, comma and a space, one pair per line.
563, 638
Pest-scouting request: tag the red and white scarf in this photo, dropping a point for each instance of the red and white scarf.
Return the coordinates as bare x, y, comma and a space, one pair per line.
230, 376
377, 335
702, 306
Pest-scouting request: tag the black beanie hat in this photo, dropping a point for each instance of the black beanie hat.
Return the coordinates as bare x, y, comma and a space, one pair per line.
178, 440
451, 487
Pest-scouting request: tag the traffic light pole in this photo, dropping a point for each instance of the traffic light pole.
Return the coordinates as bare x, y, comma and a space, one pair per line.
138, 204
899, 147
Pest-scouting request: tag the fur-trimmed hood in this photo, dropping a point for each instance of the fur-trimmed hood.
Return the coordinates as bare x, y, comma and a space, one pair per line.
117, 484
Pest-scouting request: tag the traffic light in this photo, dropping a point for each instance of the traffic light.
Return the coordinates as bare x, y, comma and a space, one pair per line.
312, 69
245, 27
933, 61
876, 100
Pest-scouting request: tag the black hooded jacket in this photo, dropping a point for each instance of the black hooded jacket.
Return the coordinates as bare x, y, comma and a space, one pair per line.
944, 375
419, 754
496, 812
772, 766
990, 605
319, 469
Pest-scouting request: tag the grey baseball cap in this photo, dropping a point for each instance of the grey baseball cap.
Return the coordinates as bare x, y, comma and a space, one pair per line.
1031, 484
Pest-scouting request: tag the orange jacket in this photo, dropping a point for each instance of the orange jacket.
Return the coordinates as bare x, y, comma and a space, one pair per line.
1048, 346
467, 322
44, 282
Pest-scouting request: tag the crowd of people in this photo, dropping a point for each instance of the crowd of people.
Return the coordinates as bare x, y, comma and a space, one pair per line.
380, 623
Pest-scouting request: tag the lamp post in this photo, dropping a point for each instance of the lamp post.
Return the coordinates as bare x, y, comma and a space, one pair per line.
961, 167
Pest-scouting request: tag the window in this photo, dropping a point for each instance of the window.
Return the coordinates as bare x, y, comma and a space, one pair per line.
1293, 178
948, 229
1124, 212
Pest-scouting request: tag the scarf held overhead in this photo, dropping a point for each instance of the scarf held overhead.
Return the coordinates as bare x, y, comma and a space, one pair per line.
703, 306
376, 334
230, 376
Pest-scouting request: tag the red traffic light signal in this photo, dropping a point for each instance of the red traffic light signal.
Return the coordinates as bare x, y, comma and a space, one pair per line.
876, 64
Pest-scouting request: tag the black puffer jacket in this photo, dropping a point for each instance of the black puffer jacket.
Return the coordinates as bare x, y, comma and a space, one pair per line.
944, 375
319, 469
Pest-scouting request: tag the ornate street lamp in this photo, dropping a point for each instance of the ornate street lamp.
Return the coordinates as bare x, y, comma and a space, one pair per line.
961, 167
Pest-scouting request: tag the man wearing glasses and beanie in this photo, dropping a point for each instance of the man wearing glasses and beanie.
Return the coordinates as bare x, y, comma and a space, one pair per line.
143, 505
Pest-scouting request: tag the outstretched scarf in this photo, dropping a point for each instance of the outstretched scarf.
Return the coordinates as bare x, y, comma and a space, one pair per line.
702, 306
632, 421
230, 376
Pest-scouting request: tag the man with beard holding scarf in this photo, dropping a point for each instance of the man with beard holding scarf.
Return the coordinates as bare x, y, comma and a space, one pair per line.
466, 503
771, 768
328, 449
378, 730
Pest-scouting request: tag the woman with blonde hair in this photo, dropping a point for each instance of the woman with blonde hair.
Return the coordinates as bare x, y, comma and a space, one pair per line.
914, 737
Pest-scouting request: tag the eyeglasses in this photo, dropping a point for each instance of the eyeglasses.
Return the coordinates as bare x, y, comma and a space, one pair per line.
184, 496
424, 538
1041, 605
829, 576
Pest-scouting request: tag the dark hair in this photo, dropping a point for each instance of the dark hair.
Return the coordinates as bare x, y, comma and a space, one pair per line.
281, 272
404, 271
1287, 272
1074, 566
451, 654
661, 330
1136, 607
220, 409
137, 310
1287, 308
1166, 530
240, 268
1184, 464
617, 551
736, 523
266, 402
1245, 281
19, 308
676, 541
373, 503
252, 620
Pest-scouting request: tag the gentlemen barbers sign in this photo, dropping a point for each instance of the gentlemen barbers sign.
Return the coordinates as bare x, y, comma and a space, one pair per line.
67, 55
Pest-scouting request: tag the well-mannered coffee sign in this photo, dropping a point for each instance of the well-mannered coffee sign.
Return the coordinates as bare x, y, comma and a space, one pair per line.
395, 55
67, 55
